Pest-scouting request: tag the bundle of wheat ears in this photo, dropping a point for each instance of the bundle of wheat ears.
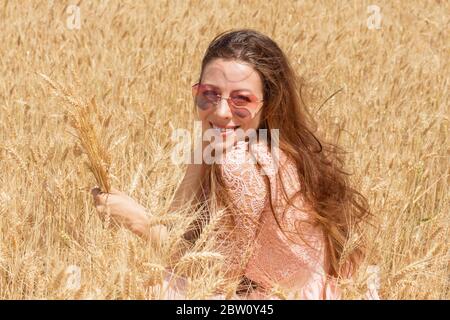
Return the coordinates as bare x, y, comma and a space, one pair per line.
79, 110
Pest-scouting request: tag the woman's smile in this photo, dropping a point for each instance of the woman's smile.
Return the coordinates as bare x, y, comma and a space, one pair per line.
224, 130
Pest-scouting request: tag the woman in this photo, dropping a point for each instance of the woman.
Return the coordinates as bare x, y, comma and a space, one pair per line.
290, 215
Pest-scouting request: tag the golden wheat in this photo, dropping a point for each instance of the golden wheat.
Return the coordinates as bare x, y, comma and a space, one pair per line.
382, 94
99, 159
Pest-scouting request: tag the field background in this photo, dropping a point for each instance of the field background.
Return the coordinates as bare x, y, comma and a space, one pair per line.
139, 60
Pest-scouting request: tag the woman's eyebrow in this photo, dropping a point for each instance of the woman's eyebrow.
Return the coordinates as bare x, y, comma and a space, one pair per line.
217, 87
244, 89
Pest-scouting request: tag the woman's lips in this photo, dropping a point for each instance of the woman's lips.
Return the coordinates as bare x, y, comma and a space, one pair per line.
224, 130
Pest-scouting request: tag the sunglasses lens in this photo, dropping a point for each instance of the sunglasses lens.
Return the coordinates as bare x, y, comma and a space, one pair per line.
240, 103
202, 103
205, 96
241, 112
241, 100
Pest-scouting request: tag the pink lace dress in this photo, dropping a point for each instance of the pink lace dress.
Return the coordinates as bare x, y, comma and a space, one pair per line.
291, 258
285, 249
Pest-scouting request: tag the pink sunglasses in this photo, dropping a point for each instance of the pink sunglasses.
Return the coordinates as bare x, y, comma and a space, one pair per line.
242, 104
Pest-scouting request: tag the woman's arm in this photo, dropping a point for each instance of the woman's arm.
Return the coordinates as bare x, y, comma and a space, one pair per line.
189, 190
126, 211
247, 189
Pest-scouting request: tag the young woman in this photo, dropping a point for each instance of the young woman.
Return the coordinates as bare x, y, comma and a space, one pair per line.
290, 215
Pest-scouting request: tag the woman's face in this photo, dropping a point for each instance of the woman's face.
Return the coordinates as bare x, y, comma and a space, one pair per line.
236, 78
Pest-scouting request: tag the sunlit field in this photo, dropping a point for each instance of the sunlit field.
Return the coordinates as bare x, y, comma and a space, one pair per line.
379, 87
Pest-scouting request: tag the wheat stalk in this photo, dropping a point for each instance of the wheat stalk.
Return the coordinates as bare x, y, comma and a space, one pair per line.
196, 261
200, 257
135, 179
20, 162
4, 199
155, 274
99, 159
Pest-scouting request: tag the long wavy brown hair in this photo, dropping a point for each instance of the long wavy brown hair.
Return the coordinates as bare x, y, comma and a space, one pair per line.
338, 207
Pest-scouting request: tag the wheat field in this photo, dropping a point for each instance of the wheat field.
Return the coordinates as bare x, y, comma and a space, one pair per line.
138, 59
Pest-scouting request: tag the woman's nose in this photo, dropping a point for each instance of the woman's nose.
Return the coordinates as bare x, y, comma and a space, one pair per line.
223, 109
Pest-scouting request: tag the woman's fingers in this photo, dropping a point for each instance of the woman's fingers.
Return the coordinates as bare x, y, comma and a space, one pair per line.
100, 208
96, 191
99, 196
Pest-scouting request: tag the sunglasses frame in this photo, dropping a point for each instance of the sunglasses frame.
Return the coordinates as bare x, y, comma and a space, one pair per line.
252, 111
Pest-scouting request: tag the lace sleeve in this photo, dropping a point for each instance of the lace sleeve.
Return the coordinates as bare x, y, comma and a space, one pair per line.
248, 191
245, 181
